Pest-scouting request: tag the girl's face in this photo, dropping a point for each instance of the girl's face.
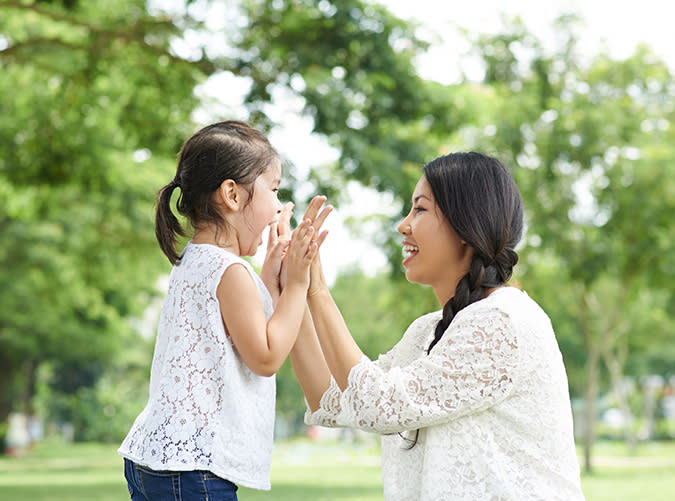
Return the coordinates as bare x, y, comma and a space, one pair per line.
433, 253
262, 210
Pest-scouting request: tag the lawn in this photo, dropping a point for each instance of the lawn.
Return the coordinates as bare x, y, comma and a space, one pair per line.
304, 471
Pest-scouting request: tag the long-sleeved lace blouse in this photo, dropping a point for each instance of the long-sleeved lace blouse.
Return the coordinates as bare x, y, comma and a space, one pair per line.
490, 401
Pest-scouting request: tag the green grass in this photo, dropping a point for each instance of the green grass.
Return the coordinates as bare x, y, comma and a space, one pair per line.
58, 472
648, 473
304, 471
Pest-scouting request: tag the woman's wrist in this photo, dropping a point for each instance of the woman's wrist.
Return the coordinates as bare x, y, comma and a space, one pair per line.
317, 292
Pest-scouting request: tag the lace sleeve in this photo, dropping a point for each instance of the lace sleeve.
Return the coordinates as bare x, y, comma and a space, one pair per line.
329, 408
470, 369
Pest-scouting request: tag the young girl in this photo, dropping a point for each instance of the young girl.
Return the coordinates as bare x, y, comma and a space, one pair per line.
223, 333
473, 401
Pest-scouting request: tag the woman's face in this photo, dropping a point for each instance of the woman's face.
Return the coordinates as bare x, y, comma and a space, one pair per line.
433, 253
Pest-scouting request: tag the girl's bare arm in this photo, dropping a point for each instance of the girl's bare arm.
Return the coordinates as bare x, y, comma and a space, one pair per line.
262, 345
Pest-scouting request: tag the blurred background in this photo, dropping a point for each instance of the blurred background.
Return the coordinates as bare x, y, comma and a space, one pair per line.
96, 99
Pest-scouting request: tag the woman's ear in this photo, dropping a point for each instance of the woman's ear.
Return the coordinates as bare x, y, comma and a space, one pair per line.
229, 195
467, 252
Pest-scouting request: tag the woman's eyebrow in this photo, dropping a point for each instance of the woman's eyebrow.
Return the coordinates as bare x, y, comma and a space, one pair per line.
416, 199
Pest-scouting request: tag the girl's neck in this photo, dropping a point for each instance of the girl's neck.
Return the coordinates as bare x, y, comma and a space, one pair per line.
209, 234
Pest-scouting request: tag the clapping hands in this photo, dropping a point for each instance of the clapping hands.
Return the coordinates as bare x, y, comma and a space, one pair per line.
304, 243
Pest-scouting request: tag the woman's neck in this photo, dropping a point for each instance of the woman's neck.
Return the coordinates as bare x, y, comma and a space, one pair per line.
443, 299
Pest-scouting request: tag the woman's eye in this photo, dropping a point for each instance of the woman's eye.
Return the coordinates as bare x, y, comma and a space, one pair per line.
418, 209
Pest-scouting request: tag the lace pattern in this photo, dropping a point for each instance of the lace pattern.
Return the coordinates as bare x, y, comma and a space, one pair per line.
490, 400
206, 410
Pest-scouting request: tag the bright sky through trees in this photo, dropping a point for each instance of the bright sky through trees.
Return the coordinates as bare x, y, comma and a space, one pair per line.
612, 26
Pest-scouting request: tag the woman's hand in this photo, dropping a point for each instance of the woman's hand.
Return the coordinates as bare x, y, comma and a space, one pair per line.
316, 221
317, 282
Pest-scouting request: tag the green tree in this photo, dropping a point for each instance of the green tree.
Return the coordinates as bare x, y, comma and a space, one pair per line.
591, 142
100, 96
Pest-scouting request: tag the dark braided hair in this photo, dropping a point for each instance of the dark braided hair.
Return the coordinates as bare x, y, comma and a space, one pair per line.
480, 200
220, 151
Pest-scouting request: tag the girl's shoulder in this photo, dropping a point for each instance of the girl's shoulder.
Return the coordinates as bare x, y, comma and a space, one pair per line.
206, 262
211, 254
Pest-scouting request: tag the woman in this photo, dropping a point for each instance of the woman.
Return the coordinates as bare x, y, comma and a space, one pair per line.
472, 403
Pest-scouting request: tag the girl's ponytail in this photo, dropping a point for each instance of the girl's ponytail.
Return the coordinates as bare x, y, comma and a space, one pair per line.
167, 227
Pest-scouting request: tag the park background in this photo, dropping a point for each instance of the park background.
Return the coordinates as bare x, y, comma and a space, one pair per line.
97, 97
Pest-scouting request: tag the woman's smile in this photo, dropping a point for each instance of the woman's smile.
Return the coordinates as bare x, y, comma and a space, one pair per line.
409, 252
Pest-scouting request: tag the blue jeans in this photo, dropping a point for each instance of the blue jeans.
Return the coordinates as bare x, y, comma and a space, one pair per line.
151, 485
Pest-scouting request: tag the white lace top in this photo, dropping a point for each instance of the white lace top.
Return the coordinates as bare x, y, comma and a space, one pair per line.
206, 410
490, 401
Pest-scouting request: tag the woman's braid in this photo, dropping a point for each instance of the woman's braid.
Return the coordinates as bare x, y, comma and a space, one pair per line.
482, 204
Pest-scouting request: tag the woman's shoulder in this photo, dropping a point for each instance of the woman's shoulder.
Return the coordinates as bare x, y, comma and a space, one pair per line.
425, 322
509, 302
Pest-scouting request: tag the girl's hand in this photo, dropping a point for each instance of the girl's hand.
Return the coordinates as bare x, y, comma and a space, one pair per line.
301, 252
277, 245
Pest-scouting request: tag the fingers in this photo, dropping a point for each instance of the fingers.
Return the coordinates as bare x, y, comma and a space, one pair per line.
273, 236
321, 218
302, 236
312, 255
275, 245
313, 207
312, 213
322, 237
284, 224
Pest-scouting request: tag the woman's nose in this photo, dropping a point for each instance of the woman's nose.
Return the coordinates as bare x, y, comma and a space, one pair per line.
403, 227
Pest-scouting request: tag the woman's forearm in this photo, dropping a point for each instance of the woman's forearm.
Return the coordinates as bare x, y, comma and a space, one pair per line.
309, 364
339, 348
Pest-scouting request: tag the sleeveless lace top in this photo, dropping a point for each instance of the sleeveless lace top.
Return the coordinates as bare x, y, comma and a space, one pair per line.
491, 403
206, 409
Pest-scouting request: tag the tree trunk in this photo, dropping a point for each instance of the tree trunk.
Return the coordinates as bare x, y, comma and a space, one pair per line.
592, 378
615, 363
6, 393
30, 373
591, 397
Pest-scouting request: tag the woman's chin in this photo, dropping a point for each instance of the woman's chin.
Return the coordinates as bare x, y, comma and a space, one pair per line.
410, 277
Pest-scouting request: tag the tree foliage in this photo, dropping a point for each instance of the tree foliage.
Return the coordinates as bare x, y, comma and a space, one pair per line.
587, 139
85, 85
98, 97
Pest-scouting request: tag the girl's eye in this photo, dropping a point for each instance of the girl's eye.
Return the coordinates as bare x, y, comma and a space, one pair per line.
419, 209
